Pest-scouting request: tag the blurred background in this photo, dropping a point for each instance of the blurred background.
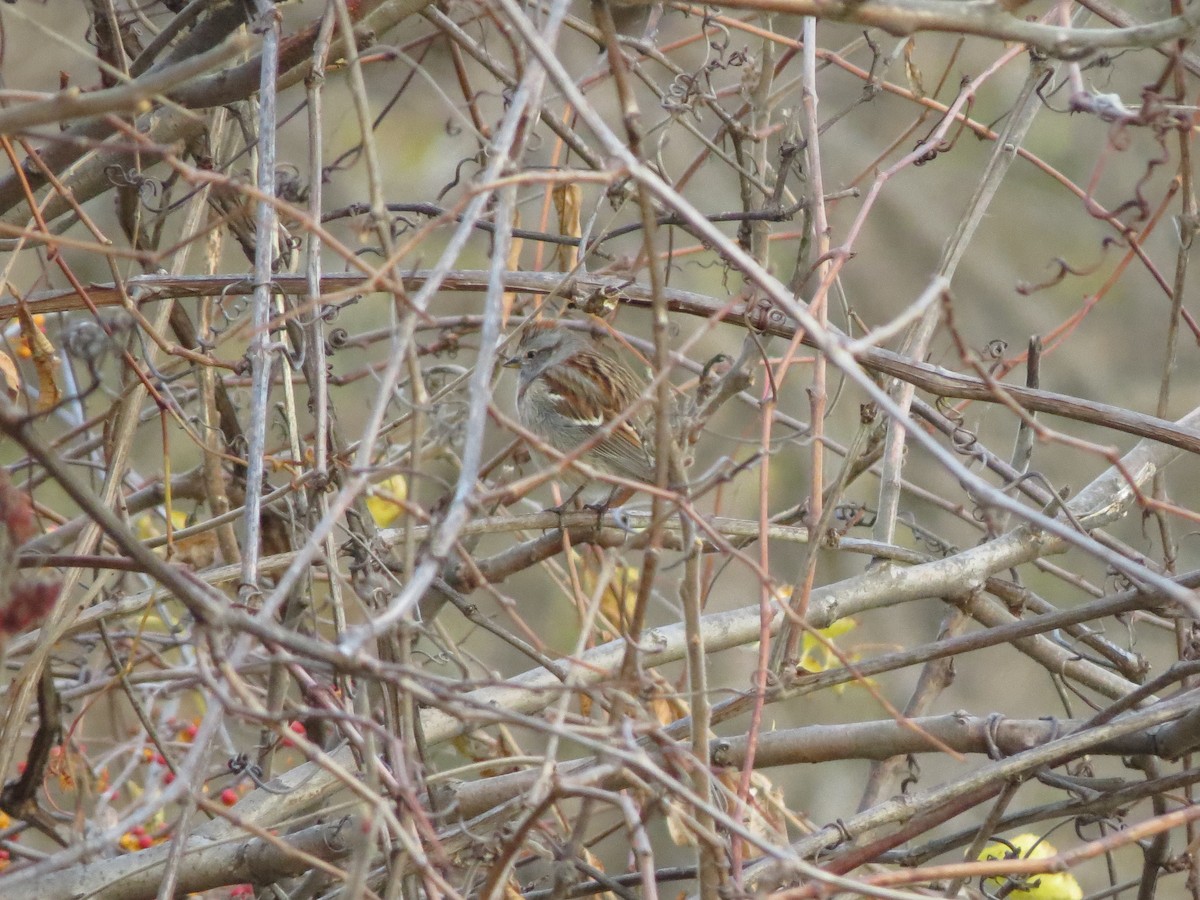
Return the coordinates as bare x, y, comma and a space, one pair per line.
1080, 246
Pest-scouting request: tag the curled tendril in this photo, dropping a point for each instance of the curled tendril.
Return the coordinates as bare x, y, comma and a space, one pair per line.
710, 21
401, 225
681, 94
851, 514
995, 349
147, 188
228, 311
446, 345
241, 765
932, 152
734, 60
337, 339
1117, 581
926, 538
685, 88
1063, 269
1140, 204
457, 175
965, 442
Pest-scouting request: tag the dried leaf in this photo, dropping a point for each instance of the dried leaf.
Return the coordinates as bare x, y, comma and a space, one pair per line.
679, 825
594, 861
45, 360
25, 598
911, 70
764, 815
664, 702
568, 200
198, 551
10, 376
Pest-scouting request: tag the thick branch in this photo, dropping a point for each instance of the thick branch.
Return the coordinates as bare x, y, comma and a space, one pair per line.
983, 18
934, 379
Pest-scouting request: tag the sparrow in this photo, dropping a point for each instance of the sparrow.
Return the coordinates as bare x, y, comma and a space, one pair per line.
570, 389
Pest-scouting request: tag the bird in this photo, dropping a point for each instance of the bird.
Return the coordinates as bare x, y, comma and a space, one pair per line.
570, 389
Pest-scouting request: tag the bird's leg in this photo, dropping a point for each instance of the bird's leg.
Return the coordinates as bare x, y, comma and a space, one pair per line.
616, 498
562, 507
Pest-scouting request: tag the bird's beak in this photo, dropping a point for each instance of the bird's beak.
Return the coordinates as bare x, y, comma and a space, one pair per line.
513, 362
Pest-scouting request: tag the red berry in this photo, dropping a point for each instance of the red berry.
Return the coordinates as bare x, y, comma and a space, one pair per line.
229, 796
296, 727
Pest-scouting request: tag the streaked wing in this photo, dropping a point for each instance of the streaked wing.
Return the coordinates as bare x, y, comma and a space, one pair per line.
571, 389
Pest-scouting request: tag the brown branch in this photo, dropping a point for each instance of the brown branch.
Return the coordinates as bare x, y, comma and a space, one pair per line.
934, 379
978, 17
73, 104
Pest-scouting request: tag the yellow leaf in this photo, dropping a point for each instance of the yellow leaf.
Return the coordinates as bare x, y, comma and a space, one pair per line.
145, 528
620, 595
1049, 886
815, 656
147, 525
385, 501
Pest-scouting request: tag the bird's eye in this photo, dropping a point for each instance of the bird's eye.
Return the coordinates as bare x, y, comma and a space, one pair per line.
530, 354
